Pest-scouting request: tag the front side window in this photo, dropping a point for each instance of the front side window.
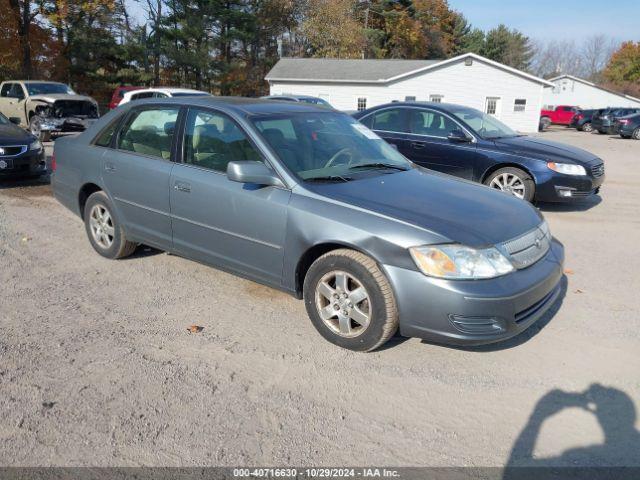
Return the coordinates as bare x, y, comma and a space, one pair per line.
138, 96
433, 124
487, 126
389, 120
16, 91
6, 88
327, 146
150, 132
212, 140
362, 104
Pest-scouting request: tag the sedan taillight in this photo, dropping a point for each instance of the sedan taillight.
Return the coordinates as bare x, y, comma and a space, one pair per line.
623, 121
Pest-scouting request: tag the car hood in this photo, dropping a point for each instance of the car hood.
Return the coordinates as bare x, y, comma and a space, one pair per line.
52, 97
461, 211
11, 134
546, 150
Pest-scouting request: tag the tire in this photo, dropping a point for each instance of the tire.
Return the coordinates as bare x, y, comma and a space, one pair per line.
587, 127
368, 293
636, 134
504, 177
35, 127
545, 122
602, 132
104, 231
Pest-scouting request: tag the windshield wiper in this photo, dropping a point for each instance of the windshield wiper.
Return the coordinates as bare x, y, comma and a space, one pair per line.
389, 166
329, 178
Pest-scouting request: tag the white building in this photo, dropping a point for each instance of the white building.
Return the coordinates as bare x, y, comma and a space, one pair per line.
511, 95
569, 90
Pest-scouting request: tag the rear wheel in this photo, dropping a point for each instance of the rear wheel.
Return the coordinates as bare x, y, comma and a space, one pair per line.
103, 229
545, 122
636, 133
349, 300
512, 180
587, 127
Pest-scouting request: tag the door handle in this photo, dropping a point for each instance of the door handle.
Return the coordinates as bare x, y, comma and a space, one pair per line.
182, 187
109, 167
417, 144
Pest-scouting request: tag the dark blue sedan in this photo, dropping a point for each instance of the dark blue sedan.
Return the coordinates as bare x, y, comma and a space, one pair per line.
467, 143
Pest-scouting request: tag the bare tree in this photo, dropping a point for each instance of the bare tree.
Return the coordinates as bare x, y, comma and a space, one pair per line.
555, 57
596, 51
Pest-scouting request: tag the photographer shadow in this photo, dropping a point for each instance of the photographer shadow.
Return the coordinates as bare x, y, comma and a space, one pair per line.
616, 415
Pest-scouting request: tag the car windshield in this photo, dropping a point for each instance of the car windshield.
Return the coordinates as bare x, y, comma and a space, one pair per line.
48, 88
327, 146
486, 126
315, 101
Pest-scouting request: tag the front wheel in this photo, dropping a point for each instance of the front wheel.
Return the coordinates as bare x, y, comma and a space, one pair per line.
545, 122
514, 181
587, 127
636, 134
350, 301
103, 229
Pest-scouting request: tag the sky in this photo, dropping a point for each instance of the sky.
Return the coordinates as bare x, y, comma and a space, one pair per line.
556, 19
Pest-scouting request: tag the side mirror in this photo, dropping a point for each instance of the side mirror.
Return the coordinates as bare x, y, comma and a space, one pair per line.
459, 136
15, 120
253, 172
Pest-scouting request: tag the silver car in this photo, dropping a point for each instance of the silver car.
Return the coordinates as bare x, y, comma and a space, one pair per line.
310, 201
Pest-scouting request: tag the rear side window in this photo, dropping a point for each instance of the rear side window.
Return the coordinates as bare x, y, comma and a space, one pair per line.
150, 132
104, 137
389, 120
212, 140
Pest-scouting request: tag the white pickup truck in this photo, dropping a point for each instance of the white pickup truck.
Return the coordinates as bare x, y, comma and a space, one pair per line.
46, 108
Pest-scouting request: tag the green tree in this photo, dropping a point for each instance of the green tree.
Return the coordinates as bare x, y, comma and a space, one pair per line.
332, 29
507, 46
623, 69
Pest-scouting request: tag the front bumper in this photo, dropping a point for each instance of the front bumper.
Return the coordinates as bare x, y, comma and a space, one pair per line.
66, 125
626, 130
553, 187
476, 312
27, 164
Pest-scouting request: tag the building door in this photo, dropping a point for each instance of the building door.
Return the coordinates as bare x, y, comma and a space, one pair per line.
493, 106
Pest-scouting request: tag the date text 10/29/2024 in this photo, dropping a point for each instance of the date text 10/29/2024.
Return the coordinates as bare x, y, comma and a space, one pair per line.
315, 473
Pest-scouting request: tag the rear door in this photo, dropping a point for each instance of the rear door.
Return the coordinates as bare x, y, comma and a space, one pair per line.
430, 146
217, 221
137, 172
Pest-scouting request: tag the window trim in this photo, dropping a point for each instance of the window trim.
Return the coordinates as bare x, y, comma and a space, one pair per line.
366, 101
136, 110
462, 127
439, 96
515, 104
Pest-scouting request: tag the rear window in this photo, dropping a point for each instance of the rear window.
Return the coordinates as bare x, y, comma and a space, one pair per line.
104, 137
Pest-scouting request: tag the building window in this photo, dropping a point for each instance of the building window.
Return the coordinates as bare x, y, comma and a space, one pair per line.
520, 105
492, 106
436, 98
362, 103
409, 99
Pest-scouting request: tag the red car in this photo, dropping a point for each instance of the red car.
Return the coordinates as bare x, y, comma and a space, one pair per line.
561, 115
118, 93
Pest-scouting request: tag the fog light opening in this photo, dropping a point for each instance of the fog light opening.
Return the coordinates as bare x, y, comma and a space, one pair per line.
564, 193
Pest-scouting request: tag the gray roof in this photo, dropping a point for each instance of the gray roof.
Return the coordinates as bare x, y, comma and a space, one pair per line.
331, 69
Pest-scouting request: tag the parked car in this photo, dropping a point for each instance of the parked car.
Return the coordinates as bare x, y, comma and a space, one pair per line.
299, 98
307, 200
47, 108
21, 153
604, 123
629, 126
168, 92
118, 95
582, 120
560, 115
468, 143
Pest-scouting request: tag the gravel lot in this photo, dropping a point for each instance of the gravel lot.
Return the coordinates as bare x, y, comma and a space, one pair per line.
97, 366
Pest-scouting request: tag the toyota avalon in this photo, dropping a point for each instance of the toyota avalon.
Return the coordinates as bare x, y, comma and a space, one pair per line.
309, 201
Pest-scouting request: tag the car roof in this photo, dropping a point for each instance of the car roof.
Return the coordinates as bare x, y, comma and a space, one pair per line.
240, 105
169, 90
442, 107
35, 81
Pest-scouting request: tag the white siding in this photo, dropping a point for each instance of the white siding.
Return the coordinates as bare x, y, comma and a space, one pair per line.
572, 92
456, 82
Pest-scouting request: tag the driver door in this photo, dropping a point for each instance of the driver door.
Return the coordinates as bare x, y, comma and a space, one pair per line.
215, 220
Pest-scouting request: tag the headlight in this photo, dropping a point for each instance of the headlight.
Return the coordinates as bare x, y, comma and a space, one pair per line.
567, 168
35, 145
460, 262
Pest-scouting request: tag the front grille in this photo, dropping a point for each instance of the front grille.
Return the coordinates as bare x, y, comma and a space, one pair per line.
527, 249
12, 150
597, 170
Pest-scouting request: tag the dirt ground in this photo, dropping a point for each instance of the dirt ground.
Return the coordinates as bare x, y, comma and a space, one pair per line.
97, 366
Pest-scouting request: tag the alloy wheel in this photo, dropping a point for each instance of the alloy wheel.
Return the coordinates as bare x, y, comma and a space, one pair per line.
343, 304
35, 127
587, 128
102, 228
636, 134
510, 183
